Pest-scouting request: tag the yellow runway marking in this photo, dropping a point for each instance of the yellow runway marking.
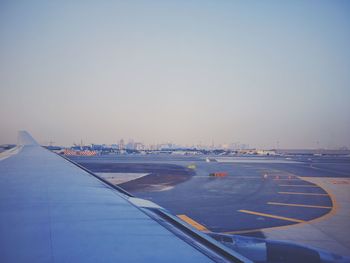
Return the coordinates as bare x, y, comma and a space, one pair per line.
193, 223
318, 219
299, 205
295, 193
272, 216
298, 185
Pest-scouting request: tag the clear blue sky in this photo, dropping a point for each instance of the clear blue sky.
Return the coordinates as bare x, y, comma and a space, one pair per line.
256, 72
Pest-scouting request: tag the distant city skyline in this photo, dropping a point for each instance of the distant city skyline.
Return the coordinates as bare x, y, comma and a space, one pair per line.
140, 145
268, 74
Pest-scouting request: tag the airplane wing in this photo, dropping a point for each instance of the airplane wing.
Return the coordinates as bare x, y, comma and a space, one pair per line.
52, 210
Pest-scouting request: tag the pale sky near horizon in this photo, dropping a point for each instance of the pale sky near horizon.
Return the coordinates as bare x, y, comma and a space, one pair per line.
254, 72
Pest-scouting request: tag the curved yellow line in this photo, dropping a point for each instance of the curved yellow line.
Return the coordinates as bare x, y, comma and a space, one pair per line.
332, 212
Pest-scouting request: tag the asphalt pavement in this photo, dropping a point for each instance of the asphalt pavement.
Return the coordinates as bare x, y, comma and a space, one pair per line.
257, 193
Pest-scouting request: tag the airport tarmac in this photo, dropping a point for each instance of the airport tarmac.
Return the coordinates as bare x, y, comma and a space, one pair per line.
243, 202
330, 231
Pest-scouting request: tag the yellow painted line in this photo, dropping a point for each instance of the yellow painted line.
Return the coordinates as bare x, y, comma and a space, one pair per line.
193, 223
318, 219
295, 193
331, 196
298, 185
272, 216
299, 205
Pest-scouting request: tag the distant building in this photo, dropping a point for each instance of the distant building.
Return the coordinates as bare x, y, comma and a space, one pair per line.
130, 145
121, 145
139, 146
114, 146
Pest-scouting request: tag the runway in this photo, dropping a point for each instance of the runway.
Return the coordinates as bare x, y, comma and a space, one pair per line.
329, 232
243, 202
